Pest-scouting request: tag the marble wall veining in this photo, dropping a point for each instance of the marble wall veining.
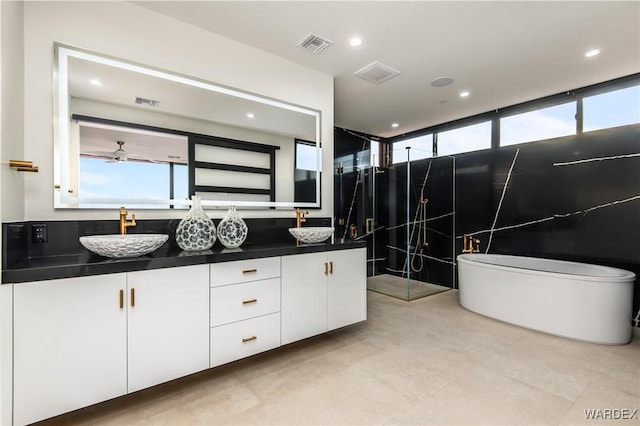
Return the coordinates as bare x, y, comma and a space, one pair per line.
573, 198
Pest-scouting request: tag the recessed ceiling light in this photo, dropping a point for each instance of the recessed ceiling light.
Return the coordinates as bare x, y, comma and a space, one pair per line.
96, 82
464, 94
441, 82
591, 53
251, 115
355, 41
394, 125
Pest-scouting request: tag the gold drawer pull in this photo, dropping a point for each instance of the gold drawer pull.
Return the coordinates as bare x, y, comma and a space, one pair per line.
246, 302
248, 271
248, 339
133, 297
326, 268
331, 267
121, 299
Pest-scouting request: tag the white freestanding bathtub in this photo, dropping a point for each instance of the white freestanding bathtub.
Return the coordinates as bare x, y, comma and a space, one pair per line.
575, 300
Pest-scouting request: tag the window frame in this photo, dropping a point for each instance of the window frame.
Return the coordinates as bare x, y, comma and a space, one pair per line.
494, 116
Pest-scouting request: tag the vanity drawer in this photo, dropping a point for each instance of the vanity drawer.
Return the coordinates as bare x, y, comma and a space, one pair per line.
238, 302
244, 270
244, 338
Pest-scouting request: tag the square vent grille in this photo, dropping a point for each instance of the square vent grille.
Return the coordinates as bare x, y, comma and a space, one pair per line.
148, 102
314, 43
376, 72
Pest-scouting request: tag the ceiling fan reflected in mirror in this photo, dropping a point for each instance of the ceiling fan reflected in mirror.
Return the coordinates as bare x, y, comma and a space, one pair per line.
117, 156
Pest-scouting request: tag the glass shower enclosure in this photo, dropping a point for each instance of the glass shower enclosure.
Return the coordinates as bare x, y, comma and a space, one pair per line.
414, 199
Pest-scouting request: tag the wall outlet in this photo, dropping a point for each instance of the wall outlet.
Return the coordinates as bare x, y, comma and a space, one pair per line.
39, 233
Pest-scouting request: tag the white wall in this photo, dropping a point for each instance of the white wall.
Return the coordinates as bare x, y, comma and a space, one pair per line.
127, 31
11, 181
12, 87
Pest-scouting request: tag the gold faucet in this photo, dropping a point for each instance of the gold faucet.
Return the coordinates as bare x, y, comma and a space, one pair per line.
467, 244
300, 217
124, 223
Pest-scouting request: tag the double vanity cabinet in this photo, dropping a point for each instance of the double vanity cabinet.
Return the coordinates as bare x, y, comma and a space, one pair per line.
82, 340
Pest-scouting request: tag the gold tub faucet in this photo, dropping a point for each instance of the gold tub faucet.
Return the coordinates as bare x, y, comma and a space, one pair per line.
124, 223
467, 244
300, 217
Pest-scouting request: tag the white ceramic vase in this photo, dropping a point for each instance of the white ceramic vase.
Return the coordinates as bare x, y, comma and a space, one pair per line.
196, 231
232, 230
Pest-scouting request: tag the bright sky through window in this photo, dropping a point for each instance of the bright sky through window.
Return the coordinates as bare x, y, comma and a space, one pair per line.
545, 123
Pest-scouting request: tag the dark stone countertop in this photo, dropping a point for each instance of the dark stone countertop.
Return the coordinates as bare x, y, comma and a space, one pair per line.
77, 265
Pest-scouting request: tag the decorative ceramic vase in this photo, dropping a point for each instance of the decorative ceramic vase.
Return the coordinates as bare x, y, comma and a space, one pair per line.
232, 230
196, 231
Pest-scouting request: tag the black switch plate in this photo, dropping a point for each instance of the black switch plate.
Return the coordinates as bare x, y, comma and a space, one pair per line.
39, 233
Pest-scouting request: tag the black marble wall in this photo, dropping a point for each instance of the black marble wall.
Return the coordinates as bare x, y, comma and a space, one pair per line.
354, 184
572, 198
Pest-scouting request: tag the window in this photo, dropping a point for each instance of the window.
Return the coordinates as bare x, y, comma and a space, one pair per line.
306, 156
305, 175
465, 139
374, 158
544, 123
180, 181
421, 147
611, 109
133, 179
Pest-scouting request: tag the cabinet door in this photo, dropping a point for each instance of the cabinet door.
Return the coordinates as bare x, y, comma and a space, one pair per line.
168, 330
304, 296
69, 345
347, 287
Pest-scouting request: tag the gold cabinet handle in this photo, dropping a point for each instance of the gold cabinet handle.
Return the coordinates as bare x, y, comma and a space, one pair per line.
326, 268
246, 302
133, 297
331, 267
121, 299
248, 339
248, 271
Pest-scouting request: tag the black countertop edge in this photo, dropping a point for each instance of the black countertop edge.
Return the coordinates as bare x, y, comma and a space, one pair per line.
55, 267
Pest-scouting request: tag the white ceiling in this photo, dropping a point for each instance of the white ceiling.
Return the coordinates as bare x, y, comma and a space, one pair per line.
503, 53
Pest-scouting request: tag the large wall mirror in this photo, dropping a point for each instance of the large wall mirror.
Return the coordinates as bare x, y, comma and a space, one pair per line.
129, 134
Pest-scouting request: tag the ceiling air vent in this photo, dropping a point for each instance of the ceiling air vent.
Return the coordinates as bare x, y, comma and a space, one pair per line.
314, 43
148, 102
376, 72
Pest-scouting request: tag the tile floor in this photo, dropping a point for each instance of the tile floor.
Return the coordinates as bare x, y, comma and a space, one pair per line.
424, 362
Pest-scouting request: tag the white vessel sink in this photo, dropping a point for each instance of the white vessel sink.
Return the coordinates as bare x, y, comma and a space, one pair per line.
128, 245
312, 234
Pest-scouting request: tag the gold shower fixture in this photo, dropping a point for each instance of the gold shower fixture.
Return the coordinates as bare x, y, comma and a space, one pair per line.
423, 203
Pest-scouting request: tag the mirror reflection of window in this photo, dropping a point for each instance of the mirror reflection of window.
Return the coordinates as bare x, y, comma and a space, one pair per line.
306, 156
119, 162
305, 173
180, 182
